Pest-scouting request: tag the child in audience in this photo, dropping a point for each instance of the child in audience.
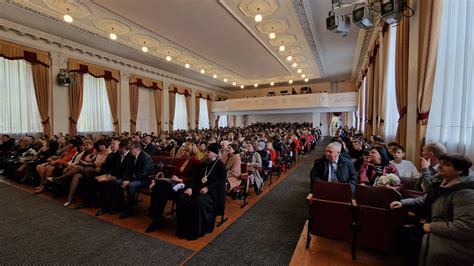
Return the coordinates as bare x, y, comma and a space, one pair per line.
405, 168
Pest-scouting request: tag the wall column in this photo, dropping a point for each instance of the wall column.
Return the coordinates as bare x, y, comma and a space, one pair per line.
323, 118
59, 96
193, 117
124, 96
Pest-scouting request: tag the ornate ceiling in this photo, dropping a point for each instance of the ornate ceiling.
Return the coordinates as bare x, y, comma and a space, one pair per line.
218, 37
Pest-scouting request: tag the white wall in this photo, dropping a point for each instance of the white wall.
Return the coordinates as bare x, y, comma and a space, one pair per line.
275, 118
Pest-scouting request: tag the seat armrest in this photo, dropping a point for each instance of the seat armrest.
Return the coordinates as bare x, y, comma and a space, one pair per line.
309, 198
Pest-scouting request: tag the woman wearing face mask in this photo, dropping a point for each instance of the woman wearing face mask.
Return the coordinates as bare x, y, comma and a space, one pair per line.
378, 165
449, 210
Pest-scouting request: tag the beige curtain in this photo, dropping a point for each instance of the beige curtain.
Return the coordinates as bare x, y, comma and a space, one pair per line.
209, 111
112, 94
133, 98
75, 65
196, 110
430, 14
41, 76
13, 51
188, 109
216, 123
158, 106
245, 120
376, 92
75, 102
172, 103
401, 79
369, 91
383, 67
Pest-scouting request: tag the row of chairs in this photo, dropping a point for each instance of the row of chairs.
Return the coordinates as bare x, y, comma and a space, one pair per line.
366, 221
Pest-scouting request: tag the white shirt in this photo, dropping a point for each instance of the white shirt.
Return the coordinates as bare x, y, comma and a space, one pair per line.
406, 169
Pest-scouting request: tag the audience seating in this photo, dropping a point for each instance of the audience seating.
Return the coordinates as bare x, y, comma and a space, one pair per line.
377, 224
408, 182
331, 212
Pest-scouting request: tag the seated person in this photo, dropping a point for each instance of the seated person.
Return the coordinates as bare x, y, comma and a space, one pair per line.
232, 164
164, 190
378, 165
203, 198
334, 168
405, 168
429, 164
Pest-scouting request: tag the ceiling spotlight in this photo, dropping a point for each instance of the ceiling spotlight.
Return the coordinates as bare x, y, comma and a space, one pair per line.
255, 85
113, 36
272, 83
290, 81
225, 80
234, 83
272, 35
168, 58
282, 48
258, 18
306, 80
303, 76
68, 18
203, 71
241, 86
145, 49
214, 76
289, 58
299, 70
294, 65
187, 65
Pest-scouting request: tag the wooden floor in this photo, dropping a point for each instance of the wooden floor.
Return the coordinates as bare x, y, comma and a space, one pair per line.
324, 251
140, 220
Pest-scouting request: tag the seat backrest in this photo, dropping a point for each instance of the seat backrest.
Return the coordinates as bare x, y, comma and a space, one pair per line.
331, 219
339, 192
163, 153
379, 197
408, 182
168, 170
243, 168
407, 193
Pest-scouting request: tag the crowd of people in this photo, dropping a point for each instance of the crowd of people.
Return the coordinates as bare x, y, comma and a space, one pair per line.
444, 215
112, 169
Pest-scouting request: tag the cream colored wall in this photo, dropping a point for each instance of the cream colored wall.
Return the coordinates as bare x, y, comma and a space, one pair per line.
61, 50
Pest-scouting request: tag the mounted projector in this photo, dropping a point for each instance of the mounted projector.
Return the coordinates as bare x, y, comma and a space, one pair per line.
363, 17
391, 11
338, 24
64, 78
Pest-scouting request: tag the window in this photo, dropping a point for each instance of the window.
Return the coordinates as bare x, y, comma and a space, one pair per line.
146, 121
203, 114
222, 121
19, 111
391, 113
180, 113
451, 117
362, 115
95, 113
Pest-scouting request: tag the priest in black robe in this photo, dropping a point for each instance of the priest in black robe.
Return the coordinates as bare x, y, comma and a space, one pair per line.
203, 198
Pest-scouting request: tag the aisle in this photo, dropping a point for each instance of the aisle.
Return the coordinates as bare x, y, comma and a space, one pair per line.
268, 233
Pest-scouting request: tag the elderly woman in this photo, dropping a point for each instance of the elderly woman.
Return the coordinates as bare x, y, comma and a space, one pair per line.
449, 210
378, 165
232, 164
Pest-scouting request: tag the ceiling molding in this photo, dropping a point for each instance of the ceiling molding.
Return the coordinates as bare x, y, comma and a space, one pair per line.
365, 40
311, 35
21, 30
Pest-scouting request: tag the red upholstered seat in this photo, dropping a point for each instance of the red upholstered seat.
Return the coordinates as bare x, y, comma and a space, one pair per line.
408, 182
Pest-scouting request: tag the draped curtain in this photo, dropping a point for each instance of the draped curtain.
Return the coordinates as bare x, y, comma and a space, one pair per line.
369, 96
135, 82
40, 62
382, 86
451, 120
112, 93
75, 102
172, 103
390, 115
209, 110
401, 78
133, 99
197, 107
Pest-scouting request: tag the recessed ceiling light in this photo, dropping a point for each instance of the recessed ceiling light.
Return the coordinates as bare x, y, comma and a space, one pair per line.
272, 83
290, 81
234, 83
187, 65
68, 18
168, 58
282, 48
145, 49
294, 65
289, 58
303, 75
241, 86
113, 36
214, 76
203, 71
272, 35
255, 85
299, 70
306, 80
225, 80
258, 18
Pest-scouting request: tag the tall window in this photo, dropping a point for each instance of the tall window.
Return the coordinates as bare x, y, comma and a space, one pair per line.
95, 114
362, 115
180, 114
203, 114
451, 117
18, 108
146, 120
222, 121
391, 113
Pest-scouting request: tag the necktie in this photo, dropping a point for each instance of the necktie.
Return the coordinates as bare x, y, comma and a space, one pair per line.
333, 177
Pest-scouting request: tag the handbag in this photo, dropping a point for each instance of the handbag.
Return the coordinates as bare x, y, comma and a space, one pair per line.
105, 178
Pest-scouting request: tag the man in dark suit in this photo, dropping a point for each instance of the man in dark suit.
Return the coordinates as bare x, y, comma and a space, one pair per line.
334, 168
136, 177
148, 146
